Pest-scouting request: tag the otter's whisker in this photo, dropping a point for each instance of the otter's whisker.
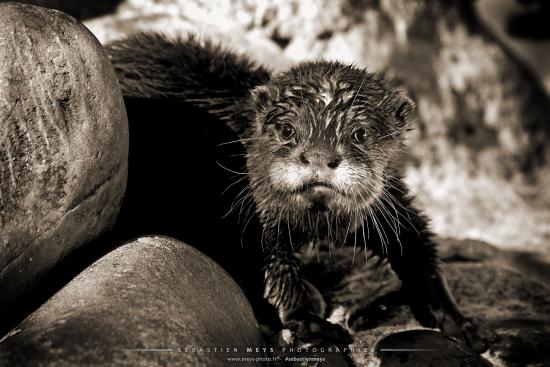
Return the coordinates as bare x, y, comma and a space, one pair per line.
358, 90
289, 232
232, 171
232, 184
354, 246
236, 141
365, 244
383, 210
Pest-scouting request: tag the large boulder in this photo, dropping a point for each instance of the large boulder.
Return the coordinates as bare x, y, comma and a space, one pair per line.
154, 301
63, 145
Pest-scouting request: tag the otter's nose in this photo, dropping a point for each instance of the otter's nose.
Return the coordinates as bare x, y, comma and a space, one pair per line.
320, 158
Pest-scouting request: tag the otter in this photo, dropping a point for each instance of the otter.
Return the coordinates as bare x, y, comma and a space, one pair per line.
321, 144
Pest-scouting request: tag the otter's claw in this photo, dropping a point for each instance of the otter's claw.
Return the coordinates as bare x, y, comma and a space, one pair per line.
472, 333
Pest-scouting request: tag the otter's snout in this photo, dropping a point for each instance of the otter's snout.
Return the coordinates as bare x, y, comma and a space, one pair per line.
321, 162
321, 158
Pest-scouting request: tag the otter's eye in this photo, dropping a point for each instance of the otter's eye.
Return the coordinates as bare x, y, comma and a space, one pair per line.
360, 135
286, 131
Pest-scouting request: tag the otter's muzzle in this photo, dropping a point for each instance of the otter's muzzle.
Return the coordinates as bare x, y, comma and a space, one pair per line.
318, 194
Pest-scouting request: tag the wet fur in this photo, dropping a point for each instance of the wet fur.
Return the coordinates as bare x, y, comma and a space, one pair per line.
325, 101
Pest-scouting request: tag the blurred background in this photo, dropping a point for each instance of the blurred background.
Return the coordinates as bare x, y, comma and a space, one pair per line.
477, 70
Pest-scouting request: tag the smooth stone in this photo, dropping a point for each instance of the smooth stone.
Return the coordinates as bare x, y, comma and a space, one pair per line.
63, 145
151, 293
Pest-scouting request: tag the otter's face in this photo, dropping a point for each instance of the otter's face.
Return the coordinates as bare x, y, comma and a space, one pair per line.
324, 138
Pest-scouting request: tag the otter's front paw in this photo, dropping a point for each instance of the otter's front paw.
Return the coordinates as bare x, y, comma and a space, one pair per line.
472, 333
312, 329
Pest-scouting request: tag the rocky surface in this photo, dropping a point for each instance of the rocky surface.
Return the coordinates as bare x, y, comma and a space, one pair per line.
63, 145
485, 282
152, 293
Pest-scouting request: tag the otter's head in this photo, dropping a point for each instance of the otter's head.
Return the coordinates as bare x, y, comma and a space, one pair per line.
323, 138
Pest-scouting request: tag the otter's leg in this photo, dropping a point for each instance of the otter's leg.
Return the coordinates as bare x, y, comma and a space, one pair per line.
414, 259
299, 304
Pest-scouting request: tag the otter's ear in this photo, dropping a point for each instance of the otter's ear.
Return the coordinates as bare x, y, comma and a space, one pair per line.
263, 96
406, 107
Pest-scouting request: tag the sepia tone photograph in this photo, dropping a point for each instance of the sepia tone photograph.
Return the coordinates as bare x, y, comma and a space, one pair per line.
355, 183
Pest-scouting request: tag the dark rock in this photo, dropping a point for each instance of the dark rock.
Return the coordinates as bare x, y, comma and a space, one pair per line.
154, 292
532, 23
510, 306
63, 145
426, 348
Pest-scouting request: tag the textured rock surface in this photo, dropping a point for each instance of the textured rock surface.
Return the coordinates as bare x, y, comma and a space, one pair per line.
484, 280
478, 155
154, 292
63, 144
